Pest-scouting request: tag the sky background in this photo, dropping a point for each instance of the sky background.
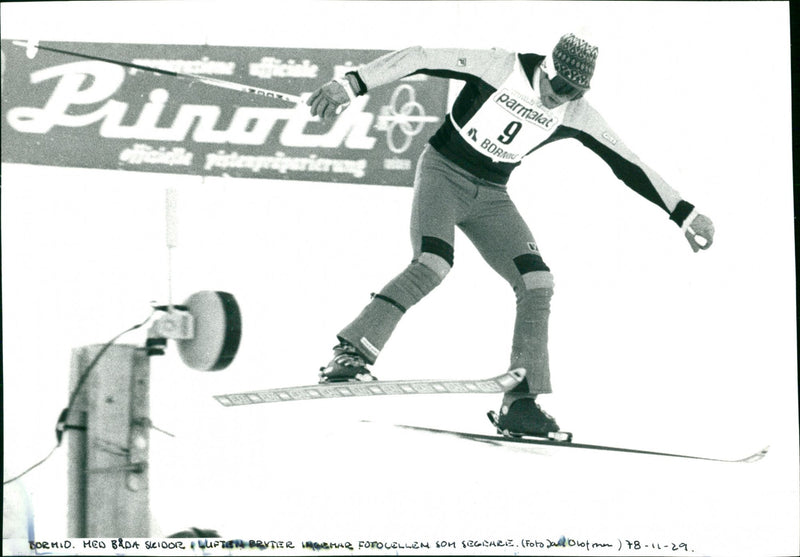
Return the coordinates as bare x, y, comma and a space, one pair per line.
652, 346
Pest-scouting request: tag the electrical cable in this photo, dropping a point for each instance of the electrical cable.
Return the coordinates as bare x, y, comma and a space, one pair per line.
18, 476
65, 413
62, 418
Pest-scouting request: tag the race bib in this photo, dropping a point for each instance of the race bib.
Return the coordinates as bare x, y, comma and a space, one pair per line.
511, 122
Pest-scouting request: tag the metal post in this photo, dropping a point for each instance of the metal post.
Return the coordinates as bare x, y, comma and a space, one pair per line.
109, 438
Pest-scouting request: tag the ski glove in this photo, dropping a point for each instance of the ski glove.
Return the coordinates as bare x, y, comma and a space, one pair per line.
331, 98
700, 227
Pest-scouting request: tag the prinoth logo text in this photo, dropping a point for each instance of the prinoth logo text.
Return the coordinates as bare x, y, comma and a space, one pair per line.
83, 95
524, 110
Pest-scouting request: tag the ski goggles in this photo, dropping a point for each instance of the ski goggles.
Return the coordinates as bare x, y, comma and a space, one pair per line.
564, 88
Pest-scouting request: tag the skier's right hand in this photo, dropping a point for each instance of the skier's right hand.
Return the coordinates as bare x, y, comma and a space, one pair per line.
330, 99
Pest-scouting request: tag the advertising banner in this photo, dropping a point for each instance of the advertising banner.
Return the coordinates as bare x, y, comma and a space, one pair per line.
63, 110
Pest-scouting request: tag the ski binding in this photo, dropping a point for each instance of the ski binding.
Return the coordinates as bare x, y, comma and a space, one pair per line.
560, 436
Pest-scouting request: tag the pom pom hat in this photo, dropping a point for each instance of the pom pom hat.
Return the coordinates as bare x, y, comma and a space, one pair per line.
574, 60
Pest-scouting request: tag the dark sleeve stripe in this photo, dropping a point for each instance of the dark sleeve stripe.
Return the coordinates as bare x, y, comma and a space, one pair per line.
560, 133
632, 175
682, 210
470, 99
362, 87
447, 74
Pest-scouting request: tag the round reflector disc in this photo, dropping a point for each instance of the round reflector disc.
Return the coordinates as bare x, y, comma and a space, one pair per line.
217, 331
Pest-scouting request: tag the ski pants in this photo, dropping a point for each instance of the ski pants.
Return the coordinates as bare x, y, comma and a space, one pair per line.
446, 196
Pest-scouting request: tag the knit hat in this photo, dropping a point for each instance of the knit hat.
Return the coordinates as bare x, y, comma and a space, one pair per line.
574, 60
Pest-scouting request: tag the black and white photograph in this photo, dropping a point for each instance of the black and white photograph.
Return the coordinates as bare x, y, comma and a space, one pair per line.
398, 278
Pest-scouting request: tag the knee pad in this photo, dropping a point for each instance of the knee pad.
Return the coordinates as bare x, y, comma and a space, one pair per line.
437, 255
414, 283
538, 288
425, 273
534, 271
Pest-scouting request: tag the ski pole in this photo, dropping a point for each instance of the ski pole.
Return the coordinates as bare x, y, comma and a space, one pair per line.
31, 48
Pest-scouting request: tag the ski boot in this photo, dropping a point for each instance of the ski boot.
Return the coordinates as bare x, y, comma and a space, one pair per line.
347, 365
524, 417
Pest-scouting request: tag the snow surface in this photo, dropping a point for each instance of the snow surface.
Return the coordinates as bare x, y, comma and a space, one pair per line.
652, 347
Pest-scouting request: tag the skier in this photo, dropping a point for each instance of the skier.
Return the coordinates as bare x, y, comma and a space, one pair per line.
511, 105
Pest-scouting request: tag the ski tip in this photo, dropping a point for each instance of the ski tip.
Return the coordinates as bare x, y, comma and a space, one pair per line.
757, 456
510, 379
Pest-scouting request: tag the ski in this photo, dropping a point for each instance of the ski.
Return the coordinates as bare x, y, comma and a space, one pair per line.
499, 384
501, 440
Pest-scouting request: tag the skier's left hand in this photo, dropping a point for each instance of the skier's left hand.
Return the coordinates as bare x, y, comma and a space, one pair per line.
700, 232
